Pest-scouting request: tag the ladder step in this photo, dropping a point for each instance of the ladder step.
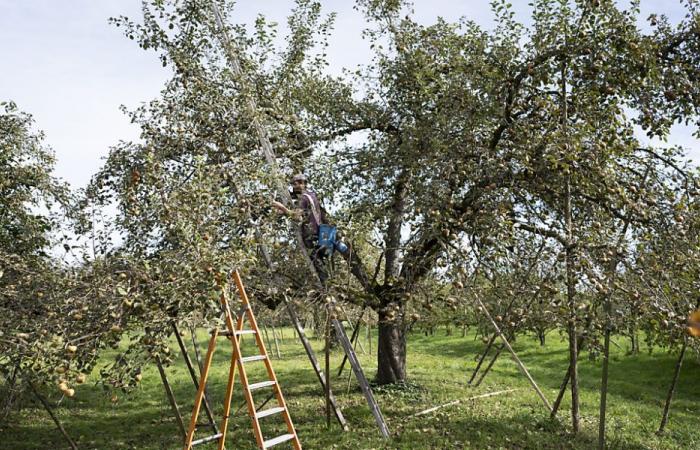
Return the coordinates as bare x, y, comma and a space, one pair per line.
278, 440
262, 384
253, 358
238, 332
207, 439
268, 412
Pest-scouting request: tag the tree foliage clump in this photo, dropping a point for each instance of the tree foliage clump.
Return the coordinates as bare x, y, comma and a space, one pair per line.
40, 341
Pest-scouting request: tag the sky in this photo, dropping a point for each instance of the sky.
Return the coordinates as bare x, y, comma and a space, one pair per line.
62, 62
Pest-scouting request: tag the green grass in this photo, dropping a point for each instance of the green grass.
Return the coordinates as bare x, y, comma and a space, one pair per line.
438, 368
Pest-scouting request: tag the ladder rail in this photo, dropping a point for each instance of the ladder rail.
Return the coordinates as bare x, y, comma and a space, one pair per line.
200, 390
361, 378
235, 356
250, 403
227, 401
193, 375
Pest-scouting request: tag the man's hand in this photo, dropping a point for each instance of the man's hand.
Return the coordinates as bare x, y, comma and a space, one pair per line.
280, 207
295, 214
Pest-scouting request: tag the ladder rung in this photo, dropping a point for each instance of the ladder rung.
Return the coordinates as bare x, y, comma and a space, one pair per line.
278, 440
207, 439
238, 332
253, 358
268, 412
261, 385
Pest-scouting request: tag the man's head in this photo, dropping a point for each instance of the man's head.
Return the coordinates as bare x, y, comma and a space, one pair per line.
299, 183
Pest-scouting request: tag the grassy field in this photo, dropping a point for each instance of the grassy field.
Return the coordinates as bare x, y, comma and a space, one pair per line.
438, 368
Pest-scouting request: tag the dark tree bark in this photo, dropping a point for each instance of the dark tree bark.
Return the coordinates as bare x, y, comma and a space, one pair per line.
604, 379
391, 350
570, 275
573, 346
541, 335
391, 346
634, 341
393, 232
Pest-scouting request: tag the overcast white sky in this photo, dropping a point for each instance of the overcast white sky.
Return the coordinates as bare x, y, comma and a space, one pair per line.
62, 62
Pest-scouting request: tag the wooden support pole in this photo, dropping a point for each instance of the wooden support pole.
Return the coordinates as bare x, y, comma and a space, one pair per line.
520, 364
672, 388
58, 424
507, 311
171, 398
455, 402
193, 376
314, 362
565, 381
355, 329
361, 379
369, 336
327, 352
483, 356
267, 337
490, 365
277, 345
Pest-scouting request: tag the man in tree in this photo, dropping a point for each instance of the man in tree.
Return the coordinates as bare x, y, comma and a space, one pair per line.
311, 216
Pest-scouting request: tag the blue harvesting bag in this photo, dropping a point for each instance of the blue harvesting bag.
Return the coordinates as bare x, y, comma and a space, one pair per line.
326, 237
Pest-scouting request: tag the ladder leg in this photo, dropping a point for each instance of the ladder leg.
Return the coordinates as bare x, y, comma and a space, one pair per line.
244, 377
227, 400
361, 379
200, 391
270, 372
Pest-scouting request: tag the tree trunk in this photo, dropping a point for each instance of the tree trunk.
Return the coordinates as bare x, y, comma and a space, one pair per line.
565, 382
570, 276
391, 345
391, 351
634, 341
573, 346
9, 398
604, 379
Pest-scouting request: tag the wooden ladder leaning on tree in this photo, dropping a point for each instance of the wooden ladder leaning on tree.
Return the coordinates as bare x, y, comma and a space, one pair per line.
233, 332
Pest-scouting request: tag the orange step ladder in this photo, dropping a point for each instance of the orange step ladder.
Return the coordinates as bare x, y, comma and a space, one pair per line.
233, 332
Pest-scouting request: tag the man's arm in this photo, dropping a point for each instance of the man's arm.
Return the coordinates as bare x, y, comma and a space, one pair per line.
295, 214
